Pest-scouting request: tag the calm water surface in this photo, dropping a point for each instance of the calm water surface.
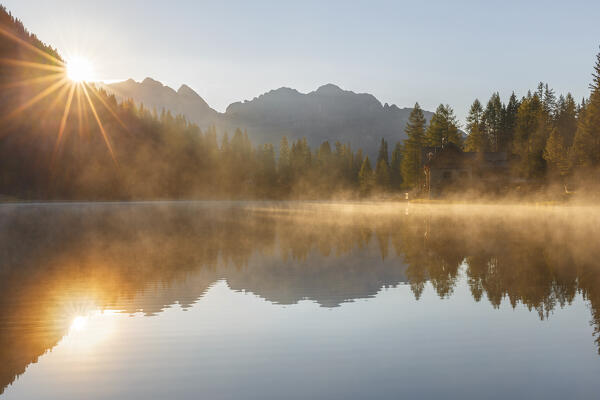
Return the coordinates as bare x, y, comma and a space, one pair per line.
298, 301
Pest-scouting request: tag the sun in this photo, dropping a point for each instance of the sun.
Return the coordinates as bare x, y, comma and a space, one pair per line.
80, 70
73, 79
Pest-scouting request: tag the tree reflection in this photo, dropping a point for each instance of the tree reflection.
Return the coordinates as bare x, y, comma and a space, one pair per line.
58, 261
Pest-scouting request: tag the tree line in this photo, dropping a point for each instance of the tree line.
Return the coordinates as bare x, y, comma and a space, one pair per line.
102, 149
550, 138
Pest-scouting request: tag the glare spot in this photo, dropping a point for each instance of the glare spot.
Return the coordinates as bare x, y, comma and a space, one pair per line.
79, 70
78, 323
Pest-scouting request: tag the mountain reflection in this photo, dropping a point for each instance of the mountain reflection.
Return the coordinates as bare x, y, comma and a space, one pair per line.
58, 262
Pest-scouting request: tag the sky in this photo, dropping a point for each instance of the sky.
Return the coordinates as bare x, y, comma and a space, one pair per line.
432, 52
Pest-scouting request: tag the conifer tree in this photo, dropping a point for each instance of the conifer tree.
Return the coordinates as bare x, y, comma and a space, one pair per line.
325, 163
540, 91
266, 171
301, 158
357, 162
382, 175
411, 160
556, 154
240, 158
549, 102
343, 163
324, 155
284, 164
225, 147
586, 144
595, 85
509, 123
532, 131
365, 177
396, 167
566, 119
284, 154
443, 127
477, 140
492, 121
383, 152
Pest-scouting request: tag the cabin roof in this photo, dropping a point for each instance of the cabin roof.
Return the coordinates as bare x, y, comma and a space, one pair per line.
452, 156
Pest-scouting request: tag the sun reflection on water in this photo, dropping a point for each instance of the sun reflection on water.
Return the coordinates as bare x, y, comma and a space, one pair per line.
87, 332
79, 323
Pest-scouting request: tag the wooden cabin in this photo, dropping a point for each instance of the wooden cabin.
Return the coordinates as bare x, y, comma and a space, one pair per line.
449, 170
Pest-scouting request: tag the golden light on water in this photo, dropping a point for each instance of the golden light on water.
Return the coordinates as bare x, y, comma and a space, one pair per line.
78, 323
89, 330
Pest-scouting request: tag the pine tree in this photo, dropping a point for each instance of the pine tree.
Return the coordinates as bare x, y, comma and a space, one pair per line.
266, 171
509, 123
383, 152
492, 122
532, 131
586, 144
443, 127
284, 164
344, 163
357, 162
396, 167
324, 155
549, 102
566, 119
240, 158
301, 158
556, 154
382, 175
284, 153
225, 147
595, 85
477, 140
325, 164
365, 177
411, 159
540, 91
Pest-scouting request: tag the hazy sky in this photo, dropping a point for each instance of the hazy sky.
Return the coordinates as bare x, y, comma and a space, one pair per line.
432, 52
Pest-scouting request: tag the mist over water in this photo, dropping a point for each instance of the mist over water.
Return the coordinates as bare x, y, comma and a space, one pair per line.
297, 300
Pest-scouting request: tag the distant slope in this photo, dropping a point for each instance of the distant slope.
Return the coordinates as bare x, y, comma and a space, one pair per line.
328, 113
155, 95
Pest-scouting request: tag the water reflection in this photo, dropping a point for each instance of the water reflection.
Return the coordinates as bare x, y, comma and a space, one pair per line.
63, 264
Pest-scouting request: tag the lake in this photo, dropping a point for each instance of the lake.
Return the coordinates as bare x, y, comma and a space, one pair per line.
308, 300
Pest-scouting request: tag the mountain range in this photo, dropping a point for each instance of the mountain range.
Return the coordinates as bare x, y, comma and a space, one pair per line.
328, 113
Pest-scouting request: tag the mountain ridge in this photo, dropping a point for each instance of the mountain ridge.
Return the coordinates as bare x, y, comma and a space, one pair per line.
326, 113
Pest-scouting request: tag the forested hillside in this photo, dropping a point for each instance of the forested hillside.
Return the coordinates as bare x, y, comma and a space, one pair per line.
61, 139
66, 140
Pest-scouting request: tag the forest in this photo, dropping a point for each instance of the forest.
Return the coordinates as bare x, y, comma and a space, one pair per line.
67, 141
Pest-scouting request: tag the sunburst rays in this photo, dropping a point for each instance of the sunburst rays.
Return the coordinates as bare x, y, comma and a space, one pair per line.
31, 64
31, 47
80, 115
108, 106
54, 81
32, 81
35, 99
104, 134
63, 121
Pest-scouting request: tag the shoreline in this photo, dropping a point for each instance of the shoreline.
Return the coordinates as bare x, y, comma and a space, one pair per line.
357, 202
